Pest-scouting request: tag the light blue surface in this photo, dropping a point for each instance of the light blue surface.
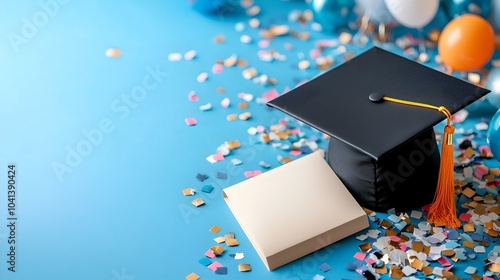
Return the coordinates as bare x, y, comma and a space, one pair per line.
119, 213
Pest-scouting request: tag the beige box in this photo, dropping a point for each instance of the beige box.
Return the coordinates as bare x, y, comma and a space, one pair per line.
294, 210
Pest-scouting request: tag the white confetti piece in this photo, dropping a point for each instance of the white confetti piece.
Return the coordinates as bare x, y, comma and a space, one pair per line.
252, 130
362, 237
225, 102
174, 56
236, 161
190, 55
202, 77
482, 126
239, 256
245, 96
239, 26
479, 249
206, 107
408, 270
245, 39
416, 214
254, 23
304, 64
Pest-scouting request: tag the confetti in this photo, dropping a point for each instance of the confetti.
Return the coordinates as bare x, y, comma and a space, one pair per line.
318, 277
175, 57
245, 39
225, 102
245, 116
482, 126
202, 77
304, 64
210, 254
231, 242
191, 121
217, 250
244, 267
192, 276
221, 175
236, 161
213, 266
201, 177
245, 96
243, 105
221, 270
249, 73
207, 188
239, 26
264, 43
325, 267
470, 270
188, 192
217, 68
219, 39
215, 228
192, 96
254, 23
231, 117
253, 11
359, 256
205, 261
113, 53
190, 55
198, 202
250, 174
206, 107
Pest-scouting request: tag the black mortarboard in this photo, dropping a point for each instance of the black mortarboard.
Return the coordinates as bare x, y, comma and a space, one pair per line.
385, 153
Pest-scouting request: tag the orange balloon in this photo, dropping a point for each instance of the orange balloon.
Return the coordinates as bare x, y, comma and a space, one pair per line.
466, 43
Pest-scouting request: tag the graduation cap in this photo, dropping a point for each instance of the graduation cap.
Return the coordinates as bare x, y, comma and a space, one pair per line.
380, 110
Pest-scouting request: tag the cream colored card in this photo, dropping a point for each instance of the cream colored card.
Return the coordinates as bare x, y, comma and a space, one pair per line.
294, 210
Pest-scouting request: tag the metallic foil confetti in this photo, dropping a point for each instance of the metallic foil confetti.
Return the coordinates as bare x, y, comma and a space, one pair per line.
113, 53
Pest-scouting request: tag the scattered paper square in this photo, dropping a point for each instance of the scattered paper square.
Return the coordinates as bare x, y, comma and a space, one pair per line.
217, 250
214, 266
207, 188
479, 249
219, 239
198, 202
188, 191
325, 267
221, 175
232, 242
215, 229
205, 261
221, 270
210, 254
318, 277
359, 256
201, 177
239, 256
192, 276
244, 267
191, 121
236, 161
470, 270
416, 214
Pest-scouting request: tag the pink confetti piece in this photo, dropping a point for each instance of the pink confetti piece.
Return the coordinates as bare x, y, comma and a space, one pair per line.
218, 157
174, 57
296, 131
443, 261
359, 256
370, 261
480, 173
464, 217
191, 121
270, 95
210, 254
250, 174
261, 129
190, 55
192, 96
225, 102
202, 77
213, 267
301, 83
264, 43
488, 278
295, 153
403, 247
394, 238
314, 53
283, 122
217, 68
485, 149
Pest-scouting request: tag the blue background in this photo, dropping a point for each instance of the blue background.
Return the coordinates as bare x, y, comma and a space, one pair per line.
119, 212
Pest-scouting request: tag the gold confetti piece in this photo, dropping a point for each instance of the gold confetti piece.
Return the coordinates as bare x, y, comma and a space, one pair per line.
434, 35
215, 229
478, 198
217, 250
494, 267
232, 145
345, 38
348, 56
192, 276
241, 63
249, 73
472, 204
254, 23
489, 178
245, 116
468, 244
493, 233
448, 253
495, 171
385, 224
230, 61
286, 160
219, 39
365, 247
279, 30
113, 53
447, 274
418, 246
253, 11
469, 227
198, 202
476, 277
396, 272
417, 264
391, 232
304, 64
304, 36
229, 235
427, 270
243, 105
219, 239
282, 135
232, 242
264, 137
468, 192
221, 90
484, 243
188, 191
243, 267
381, 270
469, 152
232, 117
474, 78
480, 209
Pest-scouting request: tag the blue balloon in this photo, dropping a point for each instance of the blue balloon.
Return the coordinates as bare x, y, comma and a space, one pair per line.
455, 8
494, 17
333, 14
208, 6
493, 84
376, 9
493, 136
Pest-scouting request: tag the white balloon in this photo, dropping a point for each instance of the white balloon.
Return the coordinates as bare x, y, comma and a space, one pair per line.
413, 13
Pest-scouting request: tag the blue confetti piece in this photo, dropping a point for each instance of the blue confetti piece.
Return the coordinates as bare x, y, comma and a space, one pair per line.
480, 192
433, 240
305, 150
491, 191
401, 225
466, 237
325, 267
221, 270
392, 211
201, 177
452, 245
205, 261
353, 265
318, 277
496, 249
479, 229
476, 237
221, 175
232, 255
207, 188
453, 235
